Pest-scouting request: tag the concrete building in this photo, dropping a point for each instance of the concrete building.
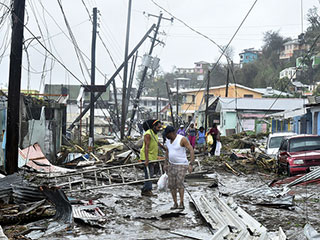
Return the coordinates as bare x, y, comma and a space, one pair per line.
194, 98
293, 47
243, 114
290, 73
248, 55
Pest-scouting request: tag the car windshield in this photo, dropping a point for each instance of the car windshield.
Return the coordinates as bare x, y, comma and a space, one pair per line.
304, 144
275, 142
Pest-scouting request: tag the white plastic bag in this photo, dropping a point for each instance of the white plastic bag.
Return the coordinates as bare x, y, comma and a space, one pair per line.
163, 182
218, 149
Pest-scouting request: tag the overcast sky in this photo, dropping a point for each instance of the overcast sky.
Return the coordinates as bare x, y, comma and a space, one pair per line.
218, 19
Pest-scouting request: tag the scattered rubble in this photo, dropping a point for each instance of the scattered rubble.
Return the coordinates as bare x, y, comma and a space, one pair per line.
101, 191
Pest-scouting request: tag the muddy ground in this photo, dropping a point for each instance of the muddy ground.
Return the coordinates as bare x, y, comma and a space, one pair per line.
131, 216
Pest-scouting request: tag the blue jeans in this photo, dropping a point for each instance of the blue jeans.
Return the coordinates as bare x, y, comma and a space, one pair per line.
148, 184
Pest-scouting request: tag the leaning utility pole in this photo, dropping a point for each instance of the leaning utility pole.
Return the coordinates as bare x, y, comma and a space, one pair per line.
227, 84
116, 103
93, 73
131, 76
125, 73
207, 101
144, 73
112, 78
13, 120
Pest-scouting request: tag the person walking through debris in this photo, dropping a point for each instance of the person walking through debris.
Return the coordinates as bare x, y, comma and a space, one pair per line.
192, 135
149, 153
201, 136
181, 130
176, 164
215, 133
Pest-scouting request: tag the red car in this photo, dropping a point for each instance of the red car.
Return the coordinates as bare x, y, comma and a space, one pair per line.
299, 154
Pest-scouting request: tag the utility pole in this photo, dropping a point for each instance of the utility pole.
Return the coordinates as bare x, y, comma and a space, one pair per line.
144, 73
227, 84
207, 101
116, 102
125, 73
169, 97
86, 109
177, 107
131, 76
13, 119
93, 67
157, 103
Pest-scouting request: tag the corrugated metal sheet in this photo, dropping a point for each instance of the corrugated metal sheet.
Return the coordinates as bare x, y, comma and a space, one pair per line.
305, 178
34, 158
26, 194
231, 222
263, 190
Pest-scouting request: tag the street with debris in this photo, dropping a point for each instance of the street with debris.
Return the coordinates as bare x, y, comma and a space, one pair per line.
225, 198
204, 125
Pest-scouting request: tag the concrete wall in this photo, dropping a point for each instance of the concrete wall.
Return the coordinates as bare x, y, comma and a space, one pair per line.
228, 121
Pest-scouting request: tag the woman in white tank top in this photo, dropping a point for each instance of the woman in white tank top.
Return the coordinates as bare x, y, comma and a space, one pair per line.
178, 164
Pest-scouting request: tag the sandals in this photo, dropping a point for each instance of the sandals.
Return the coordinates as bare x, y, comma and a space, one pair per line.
174, 207
181, 206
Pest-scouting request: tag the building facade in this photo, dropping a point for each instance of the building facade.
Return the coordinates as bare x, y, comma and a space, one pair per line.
248, 55
193, 99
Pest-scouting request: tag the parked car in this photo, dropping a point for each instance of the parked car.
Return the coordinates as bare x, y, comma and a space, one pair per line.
299, 154
274, 141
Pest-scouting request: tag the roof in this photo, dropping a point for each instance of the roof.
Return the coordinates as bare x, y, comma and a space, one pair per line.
299, 84
146, 98
250, 50
294, 41
202, 62
269, 92
218, 87
272, 104
289, 113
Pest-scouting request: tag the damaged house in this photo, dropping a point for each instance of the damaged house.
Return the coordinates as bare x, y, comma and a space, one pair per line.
42, 121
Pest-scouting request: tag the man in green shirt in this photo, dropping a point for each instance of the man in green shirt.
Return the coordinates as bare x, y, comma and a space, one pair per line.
149, 153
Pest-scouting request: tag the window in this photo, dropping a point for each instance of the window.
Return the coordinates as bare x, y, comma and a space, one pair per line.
193, 98
284, 145
145, 103
304, 144
275, 142
153, 103
248, 96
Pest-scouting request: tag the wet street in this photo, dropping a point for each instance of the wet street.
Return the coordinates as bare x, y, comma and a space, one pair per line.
128, 215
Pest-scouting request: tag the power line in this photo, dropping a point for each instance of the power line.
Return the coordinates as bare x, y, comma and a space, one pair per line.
74, 42
223, 50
